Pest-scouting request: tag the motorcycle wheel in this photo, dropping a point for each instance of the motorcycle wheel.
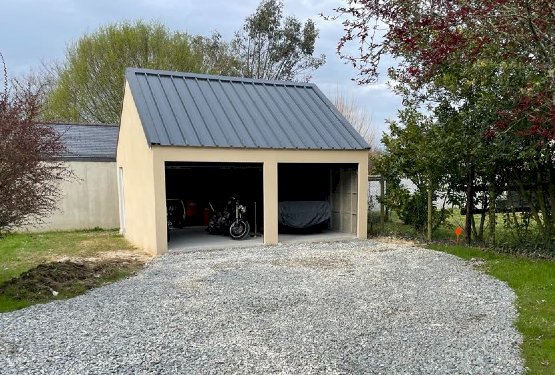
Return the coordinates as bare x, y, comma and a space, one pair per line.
239, 230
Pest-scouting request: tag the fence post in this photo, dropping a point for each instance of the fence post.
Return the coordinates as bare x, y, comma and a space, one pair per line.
382, 208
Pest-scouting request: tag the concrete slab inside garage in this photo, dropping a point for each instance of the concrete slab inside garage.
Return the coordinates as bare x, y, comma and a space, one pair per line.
196, 238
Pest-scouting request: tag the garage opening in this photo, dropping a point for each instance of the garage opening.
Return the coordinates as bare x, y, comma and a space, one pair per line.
196, 190
317, 201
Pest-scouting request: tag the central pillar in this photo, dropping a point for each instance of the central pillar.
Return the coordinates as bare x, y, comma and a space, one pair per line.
362, 194
270, 178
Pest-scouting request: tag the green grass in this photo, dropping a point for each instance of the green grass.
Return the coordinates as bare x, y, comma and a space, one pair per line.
21, 252
507, 239
533, 281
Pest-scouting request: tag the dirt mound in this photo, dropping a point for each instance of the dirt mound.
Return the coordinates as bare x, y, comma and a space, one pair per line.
65, 279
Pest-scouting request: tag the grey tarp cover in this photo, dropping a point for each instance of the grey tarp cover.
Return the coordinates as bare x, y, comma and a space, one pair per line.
303, 214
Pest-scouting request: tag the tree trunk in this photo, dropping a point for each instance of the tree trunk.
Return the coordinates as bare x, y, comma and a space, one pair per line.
492, 216
469, 205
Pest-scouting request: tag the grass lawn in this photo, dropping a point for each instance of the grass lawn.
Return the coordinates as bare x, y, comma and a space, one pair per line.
21, 253
533, 281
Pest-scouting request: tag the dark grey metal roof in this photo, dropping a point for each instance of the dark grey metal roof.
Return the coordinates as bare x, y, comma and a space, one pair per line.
88, 142
186, 109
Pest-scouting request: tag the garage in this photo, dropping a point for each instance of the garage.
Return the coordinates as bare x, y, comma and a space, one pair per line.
197, 140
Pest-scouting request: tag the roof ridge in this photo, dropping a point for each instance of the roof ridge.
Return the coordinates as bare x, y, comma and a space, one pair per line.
212, 77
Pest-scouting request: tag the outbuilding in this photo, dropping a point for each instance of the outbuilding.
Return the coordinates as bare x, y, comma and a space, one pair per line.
89, 199
201, 138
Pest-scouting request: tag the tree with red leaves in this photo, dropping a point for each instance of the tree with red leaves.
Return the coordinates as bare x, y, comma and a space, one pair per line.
487, 65
30, 166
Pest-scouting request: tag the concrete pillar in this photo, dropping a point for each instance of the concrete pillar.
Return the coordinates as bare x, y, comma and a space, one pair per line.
362, 209
270, 182
161, 234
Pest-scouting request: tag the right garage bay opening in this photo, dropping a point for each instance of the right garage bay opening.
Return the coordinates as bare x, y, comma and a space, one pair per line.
317, 201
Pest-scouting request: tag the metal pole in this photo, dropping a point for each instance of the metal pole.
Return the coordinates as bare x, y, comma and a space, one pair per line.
255, 227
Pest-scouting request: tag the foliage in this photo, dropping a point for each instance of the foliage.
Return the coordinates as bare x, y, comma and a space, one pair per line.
271, 47
486, 71
90, 82
415, 149
30, 170
533, 281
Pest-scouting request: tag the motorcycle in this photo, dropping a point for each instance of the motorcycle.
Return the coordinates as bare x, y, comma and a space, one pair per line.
230, 220
175, 213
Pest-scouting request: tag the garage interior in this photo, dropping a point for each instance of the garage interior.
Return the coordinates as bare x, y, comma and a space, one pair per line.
200, 187
329, 186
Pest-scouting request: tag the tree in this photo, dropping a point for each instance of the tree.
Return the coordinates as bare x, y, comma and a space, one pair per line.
490, 63
357, 116
90, 82
270, 47
416, 149
30, 170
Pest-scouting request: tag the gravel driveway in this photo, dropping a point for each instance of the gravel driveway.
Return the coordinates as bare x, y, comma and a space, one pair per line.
333, 308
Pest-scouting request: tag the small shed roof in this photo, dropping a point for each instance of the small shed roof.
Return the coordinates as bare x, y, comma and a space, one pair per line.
186, 109
88, 142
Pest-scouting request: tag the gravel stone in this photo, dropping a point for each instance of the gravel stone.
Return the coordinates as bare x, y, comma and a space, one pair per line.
354, 307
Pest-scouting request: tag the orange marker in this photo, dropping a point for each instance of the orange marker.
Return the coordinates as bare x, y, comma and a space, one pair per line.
458, 232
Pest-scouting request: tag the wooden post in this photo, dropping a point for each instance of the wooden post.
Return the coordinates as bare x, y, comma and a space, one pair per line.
430, 211
382, 207
492, 214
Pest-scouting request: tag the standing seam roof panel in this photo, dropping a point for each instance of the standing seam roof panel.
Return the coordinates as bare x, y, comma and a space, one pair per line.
241, 103
294, 131
331, 132
194, 115
214, 133
187, 109
171, 124
231, 135
139, 97
303, 120
188, 130
154, 99
231, 114
281, 140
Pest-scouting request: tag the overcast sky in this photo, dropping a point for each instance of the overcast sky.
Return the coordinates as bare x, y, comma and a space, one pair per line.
32, 31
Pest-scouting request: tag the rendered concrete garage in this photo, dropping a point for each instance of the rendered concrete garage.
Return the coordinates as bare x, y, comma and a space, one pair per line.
298, 146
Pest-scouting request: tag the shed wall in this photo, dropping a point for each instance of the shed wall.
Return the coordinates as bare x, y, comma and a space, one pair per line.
87, 201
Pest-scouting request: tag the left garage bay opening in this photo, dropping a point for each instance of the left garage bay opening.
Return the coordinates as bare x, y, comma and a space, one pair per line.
195, 191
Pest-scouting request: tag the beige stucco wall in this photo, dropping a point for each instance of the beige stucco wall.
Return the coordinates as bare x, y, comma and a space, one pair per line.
88, 200
137, 186
144, 179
